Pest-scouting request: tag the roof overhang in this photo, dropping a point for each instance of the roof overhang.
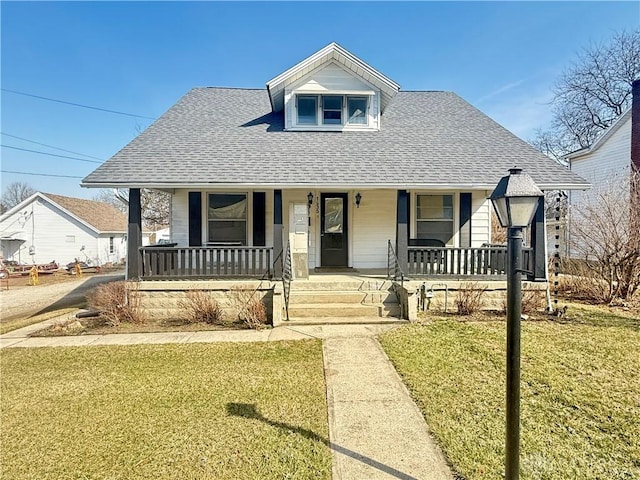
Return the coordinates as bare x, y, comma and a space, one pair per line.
348, 61
170, 188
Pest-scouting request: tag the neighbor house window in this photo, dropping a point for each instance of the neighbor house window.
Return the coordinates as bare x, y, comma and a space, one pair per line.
227, 218
434, 215
332, 109
357, 110
307, 109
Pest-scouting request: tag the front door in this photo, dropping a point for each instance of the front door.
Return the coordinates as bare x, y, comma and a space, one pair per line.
333, 230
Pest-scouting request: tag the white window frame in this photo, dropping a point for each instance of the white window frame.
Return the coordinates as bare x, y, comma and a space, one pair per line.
344, 112
208, 221
297, 114
455, 219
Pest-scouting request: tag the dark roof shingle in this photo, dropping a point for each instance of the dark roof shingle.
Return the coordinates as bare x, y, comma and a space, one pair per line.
230, 136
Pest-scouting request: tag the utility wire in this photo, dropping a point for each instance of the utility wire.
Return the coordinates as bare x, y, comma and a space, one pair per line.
76, 104
50, 154
50, 146
40, 174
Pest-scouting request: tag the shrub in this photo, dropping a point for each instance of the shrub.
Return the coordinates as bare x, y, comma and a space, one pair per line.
201, 307
578, 282
532, 301
116, 303
469, 298
249, 309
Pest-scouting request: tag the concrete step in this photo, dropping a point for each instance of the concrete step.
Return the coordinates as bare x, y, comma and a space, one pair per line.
341, 285
342, 310
350, 297
293, 321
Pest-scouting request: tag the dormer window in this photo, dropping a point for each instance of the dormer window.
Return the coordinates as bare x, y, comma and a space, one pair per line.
307, 109
332, 110
357, 110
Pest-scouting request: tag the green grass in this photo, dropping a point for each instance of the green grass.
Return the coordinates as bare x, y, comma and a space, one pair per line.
17, 323
198, 411
580, 389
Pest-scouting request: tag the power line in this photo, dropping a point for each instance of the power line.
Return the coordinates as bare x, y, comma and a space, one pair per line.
50, 146
76, 104
50, 154
39, 174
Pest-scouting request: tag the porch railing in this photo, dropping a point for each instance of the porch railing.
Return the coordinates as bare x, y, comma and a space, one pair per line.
205, 262
449, 261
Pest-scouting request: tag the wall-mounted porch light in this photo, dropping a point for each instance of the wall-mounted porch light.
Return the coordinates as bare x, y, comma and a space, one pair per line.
515, 200
358, 199
309, 199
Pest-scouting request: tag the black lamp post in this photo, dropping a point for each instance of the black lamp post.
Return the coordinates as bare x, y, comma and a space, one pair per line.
515, 200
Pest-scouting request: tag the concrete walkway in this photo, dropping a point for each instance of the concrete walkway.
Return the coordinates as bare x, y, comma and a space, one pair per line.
375, 429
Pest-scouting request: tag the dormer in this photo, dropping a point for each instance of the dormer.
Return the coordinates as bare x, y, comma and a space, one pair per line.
332, 90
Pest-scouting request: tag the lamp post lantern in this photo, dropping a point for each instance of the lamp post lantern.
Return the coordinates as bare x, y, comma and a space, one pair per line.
515, 200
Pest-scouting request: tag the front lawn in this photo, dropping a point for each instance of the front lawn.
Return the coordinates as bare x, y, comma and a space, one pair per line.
214, 411
580, 407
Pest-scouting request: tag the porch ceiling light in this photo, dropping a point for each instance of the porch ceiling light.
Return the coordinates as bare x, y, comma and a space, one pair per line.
310, 199
515, 199
358, 199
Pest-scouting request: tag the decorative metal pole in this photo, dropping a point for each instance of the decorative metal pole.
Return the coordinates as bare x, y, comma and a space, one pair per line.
515, 200
514, 312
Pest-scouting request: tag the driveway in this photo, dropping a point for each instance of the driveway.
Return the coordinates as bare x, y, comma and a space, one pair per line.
25, 301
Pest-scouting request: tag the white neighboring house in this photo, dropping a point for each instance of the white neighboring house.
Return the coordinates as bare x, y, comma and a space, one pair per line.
613, 153
610, 155
47, 227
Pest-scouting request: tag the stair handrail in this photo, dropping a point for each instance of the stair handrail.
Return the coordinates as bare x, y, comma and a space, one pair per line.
393, 265
286, 279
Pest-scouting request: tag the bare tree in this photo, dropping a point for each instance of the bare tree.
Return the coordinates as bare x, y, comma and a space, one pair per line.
155, 205
110, 197
15, 193
605, 235
591, 94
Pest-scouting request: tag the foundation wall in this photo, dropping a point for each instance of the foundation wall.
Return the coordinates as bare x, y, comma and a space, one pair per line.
162, 299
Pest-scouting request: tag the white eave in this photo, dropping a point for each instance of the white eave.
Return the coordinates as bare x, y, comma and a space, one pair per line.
333, 51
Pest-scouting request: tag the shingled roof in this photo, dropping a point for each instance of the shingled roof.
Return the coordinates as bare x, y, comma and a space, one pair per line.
101, 216
224, 136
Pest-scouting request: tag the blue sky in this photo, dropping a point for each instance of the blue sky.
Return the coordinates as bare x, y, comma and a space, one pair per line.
140, 58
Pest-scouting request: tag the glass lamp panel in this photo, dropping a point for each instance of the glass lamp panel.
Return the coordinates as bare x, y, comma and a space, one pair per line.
522, 210
500, 206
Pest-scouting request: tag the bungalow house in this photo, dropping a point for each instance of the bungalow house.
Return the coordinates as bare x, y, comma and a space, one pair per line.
46, 227
333, 169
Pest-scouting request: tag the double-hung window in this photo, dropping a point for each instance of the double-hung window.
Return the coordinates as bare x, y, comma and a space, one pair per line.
227, 218
307, 109
434, 218
357, 110
331, 110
